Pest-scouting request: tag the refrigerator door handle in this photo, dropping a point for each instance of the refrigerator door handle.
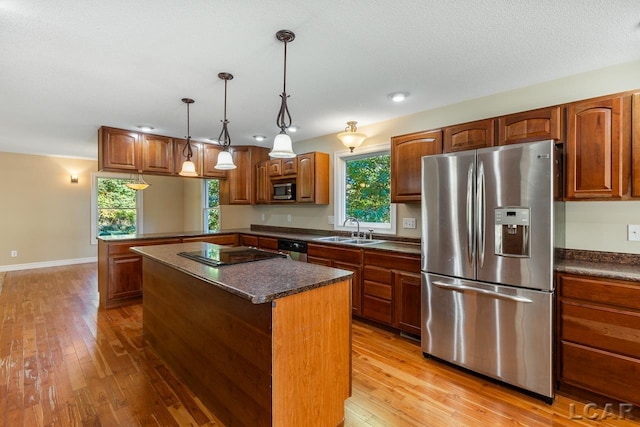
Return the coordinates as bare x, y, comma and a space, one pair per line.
470, 239
463, 288
480, 206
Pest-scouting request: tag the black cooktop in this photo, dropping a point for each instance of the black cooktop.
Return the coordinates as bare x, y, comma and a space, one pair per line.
220, 256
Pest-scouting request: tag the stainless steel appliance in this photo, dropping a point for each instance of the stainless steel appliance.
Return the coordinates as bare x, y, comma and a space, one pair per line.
284, 191
296, 249
487, 264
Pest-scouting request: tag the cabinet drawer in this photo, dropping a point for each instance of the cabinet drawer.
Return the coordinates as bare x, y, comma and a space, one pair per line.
377, 309
123, 248
601, 372
225, 239
379, 290
377, 274
600, 327
410, 263
353, 256
246, 240
601, 291
268, 243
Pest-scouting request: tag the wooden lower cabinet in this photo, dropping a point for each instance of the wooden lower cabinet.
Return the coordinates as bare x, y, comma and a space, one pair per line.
345, 259
260, 242
391, 289
120, 270
599, 336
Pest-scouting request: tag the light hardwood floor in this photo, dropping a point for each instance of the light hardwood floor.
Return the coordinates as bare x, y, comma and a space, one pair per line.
63, 362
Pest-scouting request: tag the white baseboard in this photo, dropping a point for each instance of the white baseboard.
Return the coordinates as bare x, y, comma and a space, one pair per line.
44, 264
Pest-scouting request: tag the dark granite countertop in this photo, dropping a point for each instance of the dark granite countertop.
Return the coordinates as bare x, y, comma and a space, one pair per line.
258, 281
607, 265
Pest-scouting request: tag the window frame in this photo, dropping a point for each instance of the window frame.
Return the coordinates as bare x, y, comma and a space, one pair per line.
205, 203
94, 203
339, 202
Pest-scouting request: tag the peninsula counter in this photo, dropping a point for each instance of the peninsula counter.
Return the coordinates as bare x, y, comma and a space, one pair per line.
264, 343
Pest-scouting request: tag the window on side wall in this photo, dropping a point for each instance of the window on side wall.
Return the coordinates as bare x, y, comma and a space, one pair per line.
115, 208
363, 190
211, 205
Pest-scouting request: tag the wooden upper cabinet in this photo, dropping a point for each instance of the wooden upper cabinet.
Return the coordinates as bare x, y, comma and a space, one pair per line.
312, 179
118, 149
635, 149
239, 187
210, 159
598, 136
406, 163
157, 154
262, 183
282, 167
469, 136
179, 151
528, 126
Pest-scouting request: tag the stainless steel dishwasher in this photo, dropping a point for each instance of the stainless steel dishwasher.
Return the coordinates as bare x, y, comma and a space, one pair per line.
296, 249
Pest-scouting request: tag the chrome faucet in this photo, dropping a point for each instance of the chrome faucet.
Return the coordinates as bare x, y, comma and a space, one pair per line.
353, 218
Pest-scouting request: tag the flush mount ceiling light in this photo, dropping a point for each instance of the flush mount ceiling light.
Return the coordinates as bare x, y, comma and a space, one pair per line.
398, 96
293, 128
259, 138
188, 168
225, 161
282, 143
350, 137
137, 184
145, 128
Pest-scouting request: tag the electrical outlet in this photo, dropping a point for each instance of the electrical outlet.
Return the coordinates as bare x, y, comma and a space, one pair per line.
289, 218
261, 217
14, 254
331, 220
408, 223
633, 233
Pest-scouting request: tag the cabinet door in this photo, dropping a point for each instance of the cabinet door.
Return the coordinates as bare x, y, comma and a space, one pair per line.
597, 138
179, 155
356, 287
125, 277
635, 150
240, 177
262, 183
210, 159
469, 136
289, 166
305, 180
406, 163
408, 301
535, 125
157, 154
275, 167
119, 150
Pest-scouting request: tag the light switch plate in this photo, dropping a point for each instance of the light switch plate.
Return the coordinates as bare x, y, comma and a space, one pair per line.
331, 220
408, 223
633, 233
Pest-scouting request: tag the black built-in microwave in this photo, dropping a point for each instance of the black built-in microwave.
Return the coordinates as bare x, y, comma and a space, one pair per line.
284, 191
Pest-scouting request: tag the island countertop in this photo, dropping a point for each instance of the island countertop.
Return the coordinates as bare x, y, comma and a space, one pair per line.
257, 281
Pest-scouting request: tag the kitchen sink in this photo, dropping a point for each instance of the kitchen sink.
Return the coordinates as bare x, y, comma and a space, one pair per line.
348, 240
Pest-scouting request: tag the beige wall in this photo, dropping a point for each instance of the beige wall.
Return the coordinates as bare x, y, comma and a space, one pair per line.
583, 218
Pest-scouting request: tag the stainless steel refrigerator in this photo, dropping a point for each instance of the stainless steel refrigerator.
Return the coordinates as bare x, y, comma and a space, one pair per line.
488, 225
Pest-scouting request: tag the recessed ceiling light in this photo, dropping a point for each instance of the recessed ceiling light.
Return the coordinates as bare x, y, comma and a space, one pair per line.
292, 128
259, 138
145, 128
398, 96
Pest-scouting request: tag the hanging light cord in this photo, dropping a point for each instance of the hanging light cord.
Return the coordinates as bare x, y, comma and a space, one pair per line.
283, 120
187, 151
225, 139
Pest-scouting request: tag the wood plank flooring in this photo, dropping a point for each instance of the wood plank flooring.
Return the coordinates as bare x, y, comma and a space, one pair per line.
63, 362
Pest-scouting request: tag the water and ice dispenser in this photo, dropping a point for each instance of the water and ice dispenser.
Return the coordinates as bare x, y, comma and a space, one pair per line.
513, 233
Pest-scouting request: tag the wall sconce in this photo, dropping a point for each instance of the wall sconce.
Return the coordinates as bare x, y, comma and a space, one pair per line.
350, 137
74, 179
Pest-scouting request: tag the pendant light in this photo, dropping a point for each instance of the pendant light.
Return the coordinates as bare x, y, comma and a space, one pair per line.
137, 184
225, 161
282, 143
350, 137
188, 168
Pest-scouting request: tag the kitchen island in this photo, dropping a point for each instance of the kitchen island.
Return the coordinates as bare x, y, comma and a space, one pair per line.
264, 343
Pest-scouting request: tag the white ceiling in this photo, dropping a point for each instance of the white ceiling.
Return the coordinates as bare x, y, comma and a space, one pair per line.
69, 66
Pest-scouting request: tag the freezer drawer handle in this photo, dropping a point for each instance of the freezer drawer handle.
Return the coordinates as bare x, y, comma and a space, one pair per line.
463, 288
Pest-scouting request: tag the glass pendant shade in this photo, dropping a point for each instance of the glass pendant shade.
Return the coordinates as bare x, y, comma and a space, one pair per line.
225, 161
188, 169
138, 184
282, 148
350, 137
